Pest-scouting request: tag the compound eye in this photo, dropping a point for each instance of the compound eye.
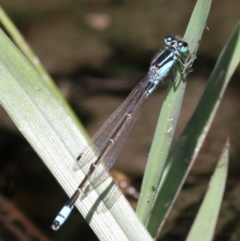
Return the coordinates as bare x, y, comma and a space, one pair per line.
168, 40
183, 46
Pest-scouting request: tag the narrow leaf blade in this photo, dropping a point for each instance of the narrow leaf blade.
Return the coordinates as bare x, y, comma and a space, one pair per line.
205, 222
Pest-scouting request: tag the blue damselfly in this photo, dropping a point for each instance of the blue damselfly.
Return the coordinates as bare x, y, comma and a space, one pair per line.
108, 141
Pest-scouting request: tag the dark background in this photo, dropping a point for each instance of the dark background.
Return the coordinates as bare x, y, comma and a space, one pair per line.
96, 52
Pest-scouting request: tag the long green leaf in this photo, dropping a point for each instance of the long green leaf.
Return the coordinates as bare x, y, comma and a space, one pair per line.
46, 124
206, 220
187, 147
34, 60
166, 127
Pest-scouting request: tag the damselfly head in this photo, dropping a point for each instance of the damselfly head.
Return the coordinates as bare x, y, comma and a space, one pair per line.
177, 42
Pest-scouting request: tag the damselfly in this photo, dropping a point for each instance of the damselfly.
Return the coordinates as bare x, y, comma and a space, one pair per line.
108, 141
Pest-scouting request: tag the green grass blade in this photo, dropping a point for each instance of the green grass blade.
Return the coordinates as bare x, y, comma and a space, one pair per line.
55, 136
204, 225
34, 60
166, 127
187, 147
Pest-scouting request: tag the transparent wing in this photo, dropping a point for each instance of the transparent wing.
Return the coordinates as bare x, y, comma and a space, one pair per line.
111, 155
118, 119
129, 107
113, 141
